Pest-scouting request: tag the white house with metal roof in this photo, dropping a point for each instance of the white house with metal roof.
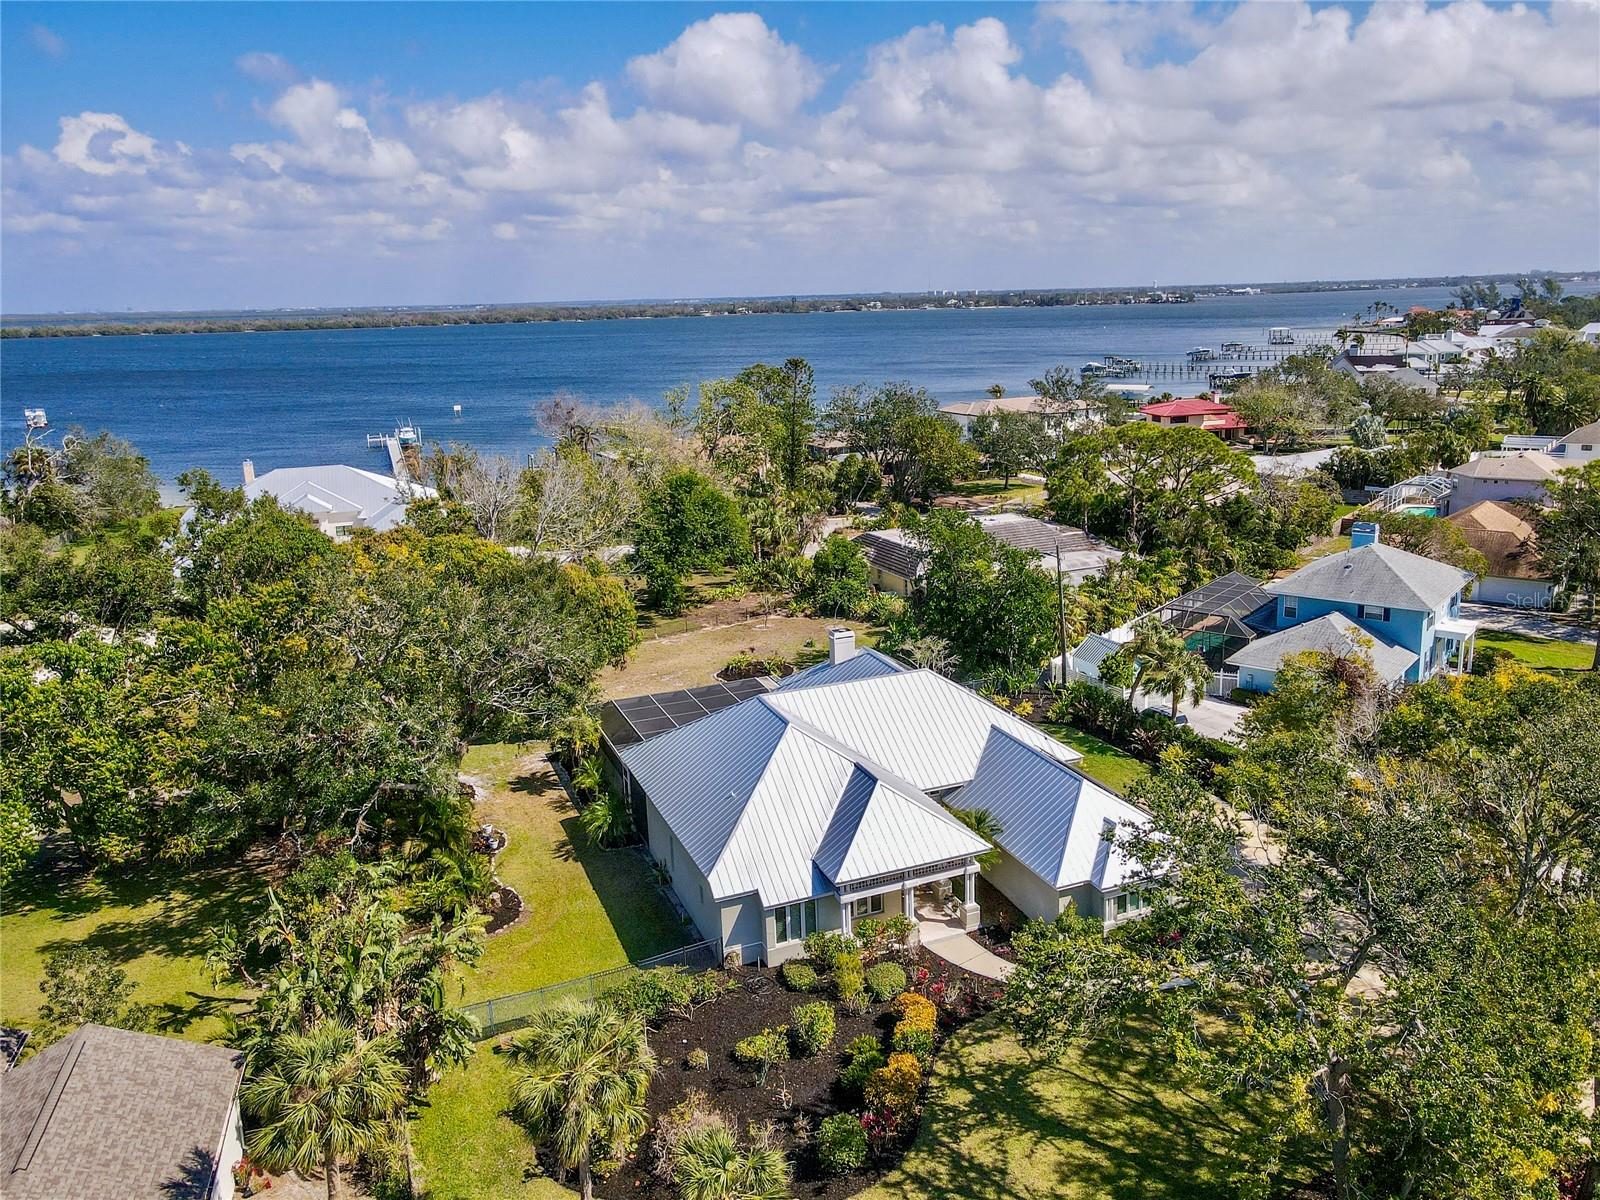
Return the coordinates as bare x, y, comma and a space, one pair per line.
340, 499
823, 800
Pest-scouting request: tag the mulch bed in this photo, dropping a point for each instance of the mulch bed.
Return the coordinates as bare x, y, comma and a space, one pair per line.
809, 1082
504, 907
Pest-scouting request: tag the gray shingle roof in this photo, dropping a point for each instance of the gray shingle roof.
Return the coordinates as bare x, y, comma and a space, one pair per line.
1333, 632
1533, 466
1052, 820
105, 1114
1375, 574
766, 793
893, 550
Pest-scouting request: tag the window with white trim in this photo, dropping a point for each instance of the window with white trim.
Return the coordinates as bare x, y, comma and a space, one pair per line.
1291, 607
868, 906
792, 922
1131, 902
1373, 612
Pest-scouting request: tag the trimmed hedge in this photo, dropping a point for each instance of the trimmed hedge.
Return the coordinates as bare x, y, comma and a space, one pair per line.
885, 980
813, 1028
863, 1056
841, 1144
798, 976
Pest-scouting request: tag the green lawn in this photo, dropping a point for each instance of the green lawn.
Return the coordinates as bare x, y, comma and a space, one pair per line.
1102, 762
1111, 1122
994, 489
1539, 652
586, 910
151, 919
468, 1148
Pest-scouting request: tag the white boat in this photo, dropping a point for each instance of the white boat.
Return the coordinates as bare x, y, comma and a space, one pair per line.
1202, 354
34, 418
1280, 335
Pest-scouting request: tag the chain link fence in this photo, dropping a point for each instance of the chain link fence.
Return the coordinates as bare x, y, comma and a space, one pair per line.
506, 1013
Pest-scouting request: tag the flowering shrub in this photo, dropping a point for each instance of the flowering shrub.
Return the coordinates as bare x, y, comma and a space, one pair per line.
915, 1025
881, 935
882, 1129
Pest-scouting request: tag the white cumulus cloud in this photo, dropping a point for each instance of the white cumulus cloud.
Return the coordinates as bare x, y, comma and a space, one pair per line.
729, 67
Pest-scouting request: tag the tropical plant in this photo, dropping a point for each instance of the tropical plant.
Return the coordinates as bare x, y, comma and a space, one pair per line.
983, 823
321, 1098
608, 818
580, 1086
711, 1166
588, 777
1166, 664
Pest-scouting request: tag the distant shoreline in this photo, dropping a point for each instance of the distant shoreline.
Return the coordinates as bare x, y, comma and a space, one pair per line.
167, 324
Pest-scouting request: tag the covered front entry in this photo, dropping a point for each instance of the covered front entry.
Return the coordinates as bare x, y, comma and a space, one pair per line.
947, 892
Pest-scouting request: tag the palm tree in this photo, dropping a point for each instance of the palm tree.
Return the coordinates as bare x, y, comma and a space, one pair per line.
1166, 664
982, 822
710, 1166
323, 1097
581, 1084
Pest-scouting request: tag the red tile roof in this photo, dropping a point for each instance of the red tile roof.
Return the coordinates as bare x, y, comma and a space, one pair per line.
1193, 406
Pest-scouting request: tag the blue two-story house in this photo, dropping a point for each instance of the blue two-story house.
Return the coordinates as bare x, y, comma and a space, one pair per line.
1401, 610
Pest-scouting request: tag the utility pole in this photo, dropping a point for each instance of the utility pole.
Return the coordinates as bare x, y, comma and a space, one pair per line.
1061, 614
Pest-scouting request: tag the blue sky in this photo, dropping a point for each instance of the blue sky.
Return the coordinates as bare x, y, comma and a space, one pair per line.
203, 155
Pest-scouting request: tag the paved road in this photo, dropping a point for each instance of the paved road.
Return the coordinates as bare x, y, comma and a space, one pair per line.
1528, 623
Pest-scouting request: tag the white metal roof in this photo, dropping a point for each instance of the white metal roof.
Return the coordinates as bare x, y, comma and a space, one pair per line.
786, 792
375, 501
1053, 820
864, 664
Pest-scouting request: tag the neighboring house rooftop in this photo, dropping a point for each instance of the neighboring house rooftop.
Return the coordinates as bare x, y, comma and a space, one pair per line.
378, 501
895, 551
1190, 406
991, 405
1503, 536
1052, 820
830, 779
1333, 632
1533, 466
1375, 574
105, 1114
1584, 435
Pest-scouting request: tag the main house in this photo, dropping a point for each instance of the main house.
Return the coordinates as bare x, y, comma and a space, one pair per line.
780, 810
1401, 610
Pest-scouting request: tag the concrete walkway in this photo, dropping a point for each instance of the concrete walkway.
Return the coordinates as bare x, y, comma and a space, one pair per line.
1529, 623
960, 950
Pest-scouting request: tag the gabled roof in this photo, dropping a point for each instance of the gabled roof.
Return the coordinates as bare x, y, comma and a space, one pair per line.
105, 1114
893, 550
1502, 535
1584, 434
1333, 632
378, 501
1524, 465
1375, 574
827, 779
992, 404
863, 664
1052, 819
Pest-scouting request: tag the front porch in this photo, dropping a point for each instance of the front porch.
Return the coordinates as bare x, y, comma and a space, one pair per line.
1455, 641
945, 895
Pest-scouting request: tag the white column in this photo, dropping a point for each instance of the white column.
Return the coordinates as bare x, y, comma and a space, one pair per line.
969, 912
844, 915
908, 901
